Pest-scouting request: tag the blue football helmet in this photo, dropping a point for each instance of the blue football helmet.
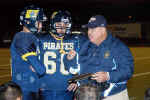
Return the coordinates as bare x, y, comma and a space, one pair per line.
30, 16
60, 16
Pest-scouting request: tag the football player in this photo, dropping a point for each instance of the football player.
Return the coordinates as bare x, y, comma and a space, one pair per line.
26, 68
53, 50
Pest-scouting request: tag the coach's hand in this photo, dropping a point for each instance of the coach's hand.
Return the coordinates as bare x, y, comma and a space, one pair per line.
72, 87
100, 76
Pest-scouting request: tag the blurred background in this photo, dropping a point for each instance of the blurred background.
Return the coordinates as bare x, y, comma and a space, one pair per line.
128, 19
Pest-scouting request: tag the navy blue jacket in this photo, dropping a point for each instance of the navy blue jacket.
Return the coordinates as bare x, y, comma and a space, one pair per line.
111, 56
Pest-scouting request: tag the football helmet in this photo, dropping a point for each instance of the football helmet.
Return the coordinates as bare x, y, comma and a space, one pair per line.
60, 16
30, 16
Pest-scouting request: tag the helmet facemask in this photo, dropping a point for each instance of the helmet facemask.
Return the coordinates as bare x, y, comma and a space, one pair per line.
60, 24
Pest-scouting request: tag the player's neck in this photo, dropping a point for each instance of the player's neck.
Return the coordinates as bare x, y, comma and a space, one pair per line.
25, 30
56, 37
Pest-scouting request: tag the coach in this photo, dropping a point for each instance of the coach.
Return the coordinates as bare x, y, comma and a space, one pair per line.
108, 58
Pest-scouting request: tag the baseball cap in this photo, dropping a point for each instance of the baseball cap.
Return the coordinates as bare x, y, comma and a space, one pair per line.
96, 21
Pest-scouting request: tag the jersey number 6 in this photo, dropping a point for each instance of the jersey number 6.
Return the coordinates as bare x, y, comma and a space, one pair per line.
52, 63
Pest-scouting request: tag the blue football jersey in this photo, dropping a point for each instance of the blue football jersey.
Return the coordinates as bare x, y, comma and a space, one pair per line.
52, 53
23, 56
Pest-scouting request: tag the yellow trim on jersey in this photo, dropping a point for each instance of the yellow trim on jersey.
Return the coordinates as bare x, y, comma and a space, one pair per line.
62, 51
24, 57
56, 37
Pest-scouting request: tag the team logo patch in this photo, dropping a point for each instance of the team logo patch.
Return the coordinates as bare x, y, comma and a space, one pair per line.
31, 13
107, 54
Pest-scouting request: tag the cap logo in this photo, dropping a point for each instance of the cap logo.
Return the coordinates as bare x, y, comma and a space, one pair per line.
92, 19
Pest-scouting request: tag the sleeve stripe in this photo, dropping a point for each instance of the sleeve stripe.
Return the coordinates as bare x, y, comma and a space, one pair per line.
106, 92
24, 57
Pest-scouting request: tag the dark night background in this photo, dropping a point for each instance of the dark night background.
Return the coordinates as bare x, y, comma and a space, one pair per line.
116, 11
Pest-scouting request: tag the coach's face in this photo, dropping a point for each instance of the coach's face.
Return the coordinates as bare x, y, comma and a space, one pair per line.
97, 35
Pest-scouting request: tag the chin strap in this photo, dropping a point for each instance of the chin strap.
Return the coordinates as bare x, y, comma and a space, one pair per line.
62, 51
